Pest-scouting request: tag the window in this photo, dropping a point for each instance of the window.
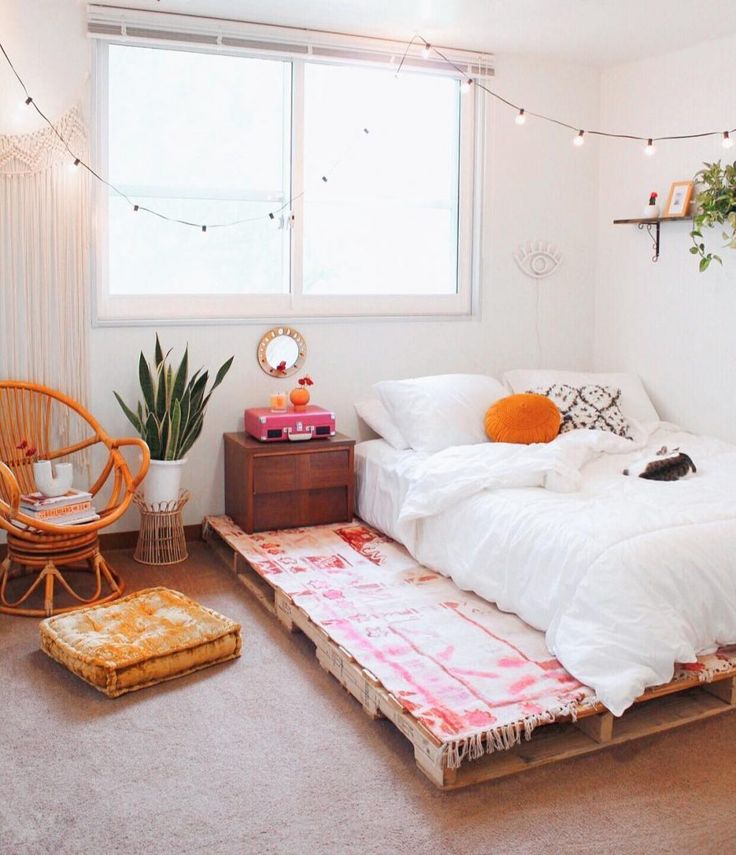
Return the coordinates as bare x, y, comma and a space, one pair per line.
369, 177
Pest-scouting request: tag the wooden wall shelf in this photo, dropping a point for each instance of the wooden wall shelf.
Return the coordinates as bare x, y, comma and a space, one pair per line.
651, 224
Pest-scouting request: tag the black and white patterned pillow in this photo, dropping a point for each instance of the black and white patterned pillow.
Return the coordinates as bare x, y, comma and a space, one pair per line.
591, 407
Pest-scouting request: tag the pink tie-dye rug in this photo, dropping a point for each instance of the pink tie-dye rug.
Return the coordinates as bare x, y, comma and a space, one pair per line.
479, 679
473, 675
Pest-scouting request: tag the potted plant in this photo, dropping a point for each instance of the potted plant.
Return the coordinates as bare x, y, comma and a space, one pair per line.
715, 204
169, 418
651, 212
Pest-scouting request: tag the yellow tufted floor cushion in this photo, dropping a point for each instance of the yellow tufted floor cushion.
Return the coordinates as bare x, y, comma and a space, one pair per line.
142, 639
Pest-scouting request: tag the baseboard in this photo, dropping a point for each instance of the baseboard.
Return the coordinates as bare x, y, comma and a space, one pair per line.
127, 539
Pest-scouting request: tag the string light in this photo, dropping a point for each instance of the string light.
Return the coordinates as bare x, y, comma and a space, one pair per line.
465, 87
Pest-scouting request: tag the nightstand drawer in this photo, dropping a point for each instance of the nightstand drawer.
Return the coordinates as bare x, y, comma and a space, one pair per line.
282, 473
327, 469
277, 473
301, 508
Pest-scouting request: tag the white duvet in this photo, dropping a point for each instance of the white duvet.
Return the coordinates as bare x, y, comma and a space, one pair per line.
626, 576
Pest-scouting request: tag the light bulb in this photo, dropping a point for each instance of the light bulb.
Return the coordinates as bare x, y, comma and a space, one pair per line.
426, 49
76, 161
521, 118
466, 84
579, 139
28, 101
727, 141
649, 148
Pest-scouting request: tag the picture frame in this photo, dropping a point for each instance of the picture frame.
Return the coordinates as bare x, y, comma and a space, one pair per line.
678, 201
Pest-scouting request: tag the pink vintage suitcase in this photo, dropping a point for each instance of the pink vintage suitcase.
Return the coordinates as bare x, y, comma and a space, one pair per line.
310, 423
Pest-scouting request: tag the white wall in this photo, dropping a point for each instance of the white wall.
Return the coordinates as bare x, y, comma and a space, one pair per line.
537, 186
672, 324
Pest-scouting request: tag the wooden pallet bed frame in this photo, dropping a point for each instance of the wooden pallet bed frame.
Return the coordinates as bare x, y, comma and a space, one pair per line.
680, 702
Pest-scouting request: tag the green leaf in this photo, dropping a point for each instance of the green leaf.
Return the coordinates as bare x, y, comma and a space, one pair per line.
224, 368
164, 435
159, 352
192, 435
186, 405
694, 250
146, 381
181, 376
173, 443
132, 417
198, 391
169, 386
704, 264
152, 437
161, 391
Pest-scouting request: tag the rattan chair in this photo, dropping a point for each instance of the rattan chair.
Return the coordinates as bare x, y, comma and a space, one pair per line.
32, 418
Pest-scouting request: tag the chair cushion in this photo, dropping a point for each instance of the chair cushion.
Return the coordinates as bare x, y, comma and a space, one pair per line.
142, 639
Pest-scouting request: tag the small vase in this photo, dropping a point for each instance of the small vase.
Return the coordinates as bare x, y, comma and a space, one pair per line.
651, 212
56, 483
299, 397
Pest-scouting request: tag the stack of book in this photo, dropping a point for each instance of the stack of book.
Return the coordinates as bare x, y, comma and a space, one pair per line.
73, 508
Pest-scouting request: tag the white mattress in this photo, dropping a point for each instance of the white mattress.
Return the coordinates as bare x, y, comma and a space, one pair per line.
626, 576
382, 477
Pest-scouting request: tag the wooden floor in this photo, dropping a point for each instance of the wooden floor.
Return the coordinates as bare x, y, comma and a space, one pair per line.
661, 708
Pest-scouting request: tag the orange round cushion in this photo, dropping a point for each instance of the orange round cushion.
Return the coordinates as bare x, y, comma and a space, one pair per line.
524, 418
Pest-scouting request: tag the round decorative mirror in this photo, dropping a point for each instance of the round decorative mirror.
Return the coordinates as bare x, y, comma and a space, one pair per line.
282, 351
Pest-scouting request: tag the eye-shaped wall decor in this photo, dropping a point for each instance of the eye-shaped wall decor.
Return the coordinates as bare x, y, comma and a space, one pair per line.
538, 259
282, 351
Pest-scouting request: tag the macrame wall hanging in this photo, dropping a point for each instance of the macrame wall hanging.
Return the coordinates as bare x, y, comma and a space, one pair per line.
44, 259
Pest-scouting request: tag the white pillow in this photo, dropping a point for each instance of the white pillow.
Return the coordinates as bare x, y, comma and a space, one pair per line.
634, 402
433, 413
376, 416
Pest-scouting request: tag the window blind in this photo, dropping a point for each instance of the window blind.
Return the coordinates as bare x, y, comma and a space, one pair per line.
135, 26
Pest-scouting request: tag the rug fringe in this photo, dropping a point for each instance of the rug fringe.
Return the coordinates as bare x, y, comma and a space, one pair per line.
709, 672
502, 738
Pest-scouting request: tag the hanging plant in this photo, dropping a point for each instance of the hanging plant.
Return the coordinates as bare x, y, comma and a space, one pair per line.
715, 204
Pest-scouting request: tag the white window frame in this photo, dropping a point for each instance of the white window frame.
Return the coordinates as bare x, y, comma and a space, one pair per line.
116, 310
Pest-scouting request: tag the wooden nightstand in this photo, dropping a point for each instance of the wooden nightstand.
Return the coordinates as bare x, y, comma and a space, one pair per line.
272, 485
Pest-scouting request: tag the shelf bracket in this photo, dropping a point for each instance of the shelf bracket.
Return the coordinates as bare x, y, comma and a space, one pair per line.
654, 237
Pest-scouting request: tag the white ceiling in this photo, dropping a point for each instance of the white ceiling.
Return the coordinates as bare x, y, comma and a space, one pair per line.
589, 32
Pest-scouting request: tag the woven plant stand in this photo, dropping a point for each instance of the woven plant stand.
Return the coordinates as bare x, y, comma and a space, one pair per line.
161, 539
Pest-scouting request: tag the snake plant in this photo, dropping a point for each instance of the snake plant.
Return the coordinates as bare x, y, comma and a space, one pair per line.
171, 414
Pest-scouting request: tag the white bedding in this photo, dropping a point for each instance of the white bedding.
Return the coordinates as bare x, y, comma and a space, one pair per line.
626, 576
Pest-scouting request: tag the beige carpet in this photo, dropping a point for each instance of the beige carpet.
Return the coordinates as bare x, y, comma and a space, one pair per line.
267, 754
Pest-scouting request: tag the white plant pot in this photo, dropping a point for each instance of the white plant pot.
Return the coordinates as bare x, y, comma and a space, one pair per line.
651, 212
163, 481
